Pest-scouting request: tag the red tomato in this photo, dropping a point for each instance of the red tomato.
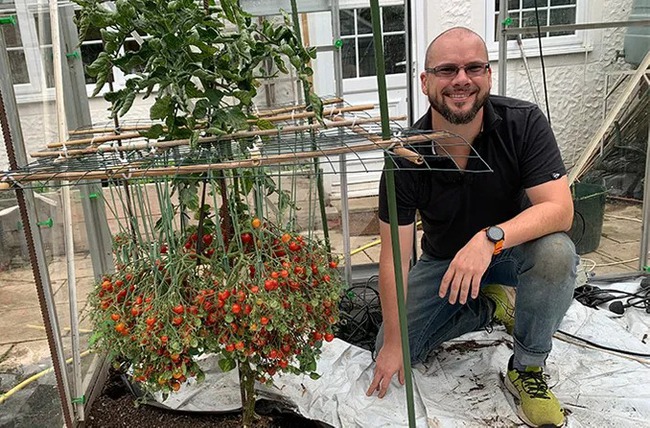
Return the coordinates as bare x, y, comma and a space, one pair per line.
246, 238
329, 337
178, 309
207, 239
236, 308
115, 317
333, 264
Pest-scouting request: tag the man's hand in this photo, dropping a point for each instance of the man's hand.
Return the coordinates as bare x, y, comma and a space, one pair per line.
466, 270
389, 361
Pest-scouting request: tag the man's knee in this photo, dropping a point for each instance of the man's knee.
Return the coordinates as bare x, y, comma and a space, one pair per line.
555, 258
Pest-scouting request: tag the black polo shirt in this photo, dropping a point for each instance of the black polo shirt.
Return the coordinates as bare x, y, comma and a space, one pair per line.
518, 145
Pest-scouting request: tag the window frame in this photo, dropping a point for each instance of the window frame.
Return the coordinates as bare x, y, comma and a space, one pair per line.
36, 90
556, 45
354, 6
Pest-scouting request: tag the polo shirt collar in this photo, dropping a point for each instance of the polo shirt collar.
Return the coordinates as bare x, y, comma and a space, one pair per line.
490, 117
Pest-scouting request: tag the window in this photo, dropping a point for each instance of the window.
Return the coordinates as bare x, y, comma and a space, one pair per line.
90, 48
20, 48
521, 13
358, 54
29, 46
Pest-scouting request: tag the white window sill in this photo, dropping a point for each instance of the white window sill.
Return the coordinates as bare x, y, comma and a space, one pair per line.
533, 52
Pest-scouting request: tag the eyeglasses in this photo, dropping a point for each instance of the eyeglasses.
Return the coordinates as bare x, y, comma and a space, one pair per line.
474, 69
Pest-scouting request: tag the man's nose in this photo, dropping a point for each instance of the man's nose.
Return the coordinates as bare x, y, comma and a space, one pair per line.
461, 77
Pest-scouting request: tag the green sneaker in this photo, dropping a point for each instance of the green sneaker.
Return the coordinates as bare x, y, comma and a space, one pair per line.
536, 404
504, 301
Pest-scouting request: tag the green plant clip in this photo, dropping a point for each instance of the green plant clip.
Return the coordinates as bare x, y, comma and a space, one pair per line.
338, 44
507, 22
74, 54
49, 222
79, 400
11, 19
93, 195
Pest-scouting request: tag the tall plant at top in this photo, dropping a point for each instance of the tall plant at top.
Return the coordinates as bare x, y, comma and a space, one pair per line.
229, 281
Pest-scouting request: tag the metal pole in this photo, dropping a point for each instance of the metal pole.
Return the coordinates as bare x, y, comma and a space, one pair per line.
527, 68
17, 155
345, 207
392, 208
503, 46
643, 256
317, 169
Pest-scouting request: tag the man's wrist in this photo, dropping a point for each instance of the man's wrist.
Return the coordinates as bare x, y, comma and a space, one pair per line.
496, 235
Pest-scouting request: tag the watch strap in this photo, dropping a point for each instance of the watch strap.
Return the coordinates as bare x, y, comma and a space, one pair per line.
498, 245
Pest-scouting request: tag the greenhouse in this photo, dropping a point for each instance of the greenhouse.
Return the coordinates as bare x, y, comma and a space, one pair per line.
324, 213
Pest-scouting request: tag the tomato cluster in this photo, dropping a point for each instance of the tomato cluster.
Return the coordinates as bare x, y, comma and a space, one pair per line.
264, 296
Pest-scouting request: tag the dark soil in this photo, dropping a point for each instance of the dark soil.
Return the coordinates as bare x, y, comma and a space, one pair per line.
116, 407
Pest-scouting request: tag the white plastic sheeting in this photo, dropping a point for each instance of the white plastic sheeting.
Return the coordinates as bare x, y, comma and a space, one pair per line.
461, 385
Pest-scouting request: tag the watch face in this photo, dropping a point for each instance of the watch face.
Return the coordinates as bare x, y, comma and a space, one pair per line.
495, 233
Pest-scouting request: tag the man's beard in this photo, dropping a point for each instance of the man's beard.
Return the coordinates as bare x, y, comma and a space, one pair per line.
458, 118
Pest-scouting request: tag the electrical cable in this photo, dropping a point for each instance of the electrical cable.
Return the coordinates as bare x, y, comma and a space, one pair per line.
619, 352
360, 314
541, 58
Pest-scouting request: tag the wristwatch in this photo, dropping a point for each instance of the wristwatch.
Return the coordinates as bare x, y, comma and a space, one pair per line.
495, 234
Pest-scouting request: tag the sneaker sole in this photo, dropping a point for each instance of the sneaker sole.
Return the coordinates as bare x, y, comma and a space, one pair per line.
513, 390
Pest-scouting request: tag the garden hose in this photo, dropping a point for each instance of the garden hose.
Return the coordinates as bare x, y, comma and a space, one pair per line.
31, 379
374, 243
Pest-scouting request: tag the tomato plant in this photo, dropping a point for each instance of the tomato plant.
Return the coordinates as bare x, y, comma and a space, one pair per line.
158, 320
202, 279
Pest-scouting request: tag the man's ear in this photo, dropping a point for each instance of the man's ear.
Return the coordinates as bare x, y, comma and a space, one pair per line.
490, 78
423, 83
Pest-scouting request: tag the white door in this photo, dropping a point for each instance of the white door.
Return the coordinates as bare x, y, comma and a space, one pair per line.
360, 80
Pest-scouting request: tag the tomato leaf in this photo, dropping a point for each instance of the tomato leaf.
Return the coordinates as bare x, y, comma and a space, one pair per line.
227, 364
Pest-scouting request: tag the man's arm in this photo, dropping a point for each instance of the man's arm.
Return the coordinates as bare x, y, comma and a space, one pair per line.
551, 211
389, 359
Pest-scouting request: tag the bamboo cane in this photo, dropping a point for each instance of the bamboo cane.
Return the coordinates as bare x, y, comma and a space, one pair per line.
399, 150
261, 114
128, 172
143, 145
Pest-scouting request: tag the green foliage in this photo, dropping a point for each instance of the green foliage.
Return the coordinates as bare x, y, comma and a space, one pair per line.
204, 65
226, 282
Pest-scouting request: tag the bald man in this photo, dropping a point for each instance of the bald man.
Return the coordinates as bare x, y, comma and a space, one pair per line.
480, 228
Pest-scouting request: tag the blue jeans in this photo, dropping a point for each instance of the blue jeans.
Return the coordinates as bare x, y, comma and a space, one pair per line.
544, 273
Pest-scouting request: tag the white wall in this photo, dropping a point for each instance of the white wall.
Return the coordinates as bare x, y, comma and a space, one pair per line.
576, 81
